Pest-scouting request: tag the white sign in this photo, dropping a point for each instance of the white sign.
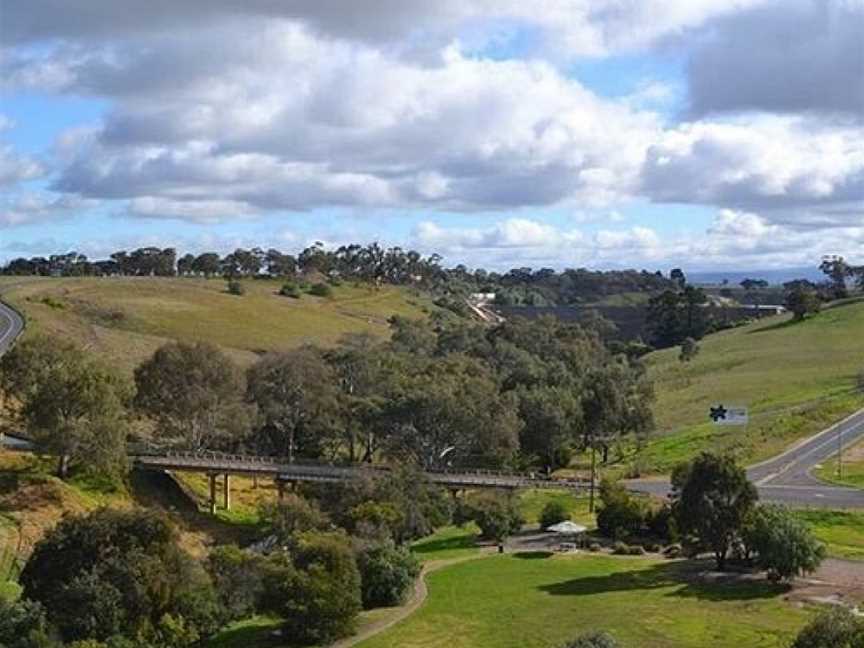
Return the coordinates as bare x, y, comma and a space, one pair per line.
728, 415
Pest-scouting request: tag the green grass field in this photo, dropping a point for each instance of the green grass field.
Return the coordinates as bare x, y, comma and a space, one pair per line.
523, 601
126, 319
796, 379
841, 531
851, 473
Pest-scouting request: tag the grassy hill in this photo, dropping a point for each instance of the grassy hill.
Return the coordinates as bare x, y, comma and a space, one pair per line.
126, 319
796, 378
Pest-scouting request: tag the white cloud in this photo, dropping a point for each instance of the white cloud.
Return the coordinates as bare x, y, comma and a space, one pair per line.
15, 168
32, 207
758, 161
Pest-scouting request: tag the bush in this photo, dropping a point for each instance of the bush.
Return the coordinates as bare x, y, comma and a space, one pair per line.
235, 287
497, 515
318, 594
661, 523
387, 572
553, 513
321, 290
783, 545
635, 550
621, 515
672, 551
23, 625
237, 575
620, 548
290, 289
594, 547
652, 547
290, 516
119, 573
593, 640
835, 627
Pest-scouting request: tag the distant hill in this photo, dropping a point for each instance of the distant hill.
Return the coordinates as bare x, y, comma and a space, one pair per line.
771, 276
125, 319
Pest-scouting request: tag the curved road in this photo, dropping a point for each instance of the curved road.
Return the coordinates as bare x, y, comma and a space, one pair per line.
11, 326
787, 478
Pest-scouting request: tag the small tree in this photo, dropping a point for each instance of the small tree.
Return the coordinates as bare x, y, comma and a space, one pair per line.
783, 545
689, 350
386, 574
318, 594
235, 287
321, 290
238, 577
835, 627
801, 299
496, 514
553, 513
712, 497
621, 514
291, 516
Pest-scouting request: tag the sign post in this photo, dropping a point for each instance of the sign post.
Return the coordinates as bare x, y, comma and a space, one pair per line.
728, 415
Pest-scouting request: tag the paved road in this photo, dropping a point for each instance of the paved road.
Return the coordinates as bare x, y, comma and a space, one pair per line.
787, 477
11, 326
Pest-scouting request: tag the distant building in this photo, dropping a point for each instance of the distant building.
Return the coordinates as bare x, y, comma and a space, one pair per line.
481, 298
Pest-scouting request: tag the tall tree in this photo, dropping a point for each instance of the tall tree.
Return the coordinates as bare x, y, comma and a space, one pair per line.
297, 399
801, 298
72, 406
195, 394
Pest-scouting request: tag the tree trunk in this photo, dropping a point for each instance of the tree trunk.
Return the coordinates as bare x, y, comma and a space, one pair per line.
63, 466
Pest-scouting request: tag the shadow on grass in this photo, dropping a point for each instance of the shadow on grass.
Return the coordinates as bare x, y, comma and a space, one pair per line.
533, 555
685, 576
467, 541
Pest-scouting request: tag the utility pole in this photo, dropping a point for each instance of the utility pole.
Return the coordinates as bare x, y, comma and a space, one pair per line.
840, 452
593, 476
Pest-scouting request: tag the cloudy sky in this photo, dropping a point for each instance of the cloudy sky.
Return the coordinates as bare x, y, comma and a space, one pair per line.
712, 134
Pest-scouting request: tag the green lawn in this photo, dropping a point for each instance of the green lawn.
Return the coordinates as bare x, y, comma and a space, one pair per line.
796, 379
538, 601
125, 319
841, 531
533, 501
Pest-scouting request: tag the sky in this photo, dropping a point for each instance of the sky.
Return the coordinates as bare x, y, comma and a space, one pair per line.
705, 134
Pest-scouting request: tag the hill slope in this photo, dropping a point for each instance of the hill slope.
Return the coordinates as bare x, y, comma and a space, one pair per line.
125, 319
796, 378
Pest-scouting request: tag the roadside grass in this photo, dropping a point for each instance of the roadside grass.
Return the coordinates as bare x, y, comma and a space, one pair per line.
510, 602
841, 531
795, 378
852, 473
126, 318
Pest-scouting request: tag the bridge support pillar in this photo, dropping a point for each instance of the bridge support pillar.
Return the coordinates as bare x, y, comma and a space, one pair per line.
280, 486
212, 494
226, 491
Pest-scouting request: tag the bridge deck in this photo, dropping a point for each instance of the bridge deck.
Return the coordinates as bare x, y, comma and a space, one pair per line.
309, 472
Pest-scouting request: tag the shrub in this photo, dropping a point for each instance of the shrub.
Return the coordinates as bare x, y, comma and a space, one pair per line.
783, 545
621, 514
318, 594
23, 625
386, 574
290, 289
620, 548
661, 523
835, 627
237, 575
290, 516
672, 551
593, 640
553, 513
321, 290
119, 573
652, 547
594, 547
635, 550
235, 287
497, 515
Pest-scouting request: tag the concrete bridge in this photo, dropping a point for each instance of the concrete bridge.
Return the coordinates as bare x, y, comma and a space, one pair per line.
217, 465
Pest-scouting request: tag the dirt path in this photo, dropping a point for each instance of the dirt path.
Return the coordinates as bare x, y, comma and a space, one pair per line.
417, 598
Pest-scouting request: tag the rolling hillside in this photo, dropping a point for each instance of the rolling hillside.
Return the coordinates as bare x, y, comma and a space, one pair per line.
126, 319
796, 378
